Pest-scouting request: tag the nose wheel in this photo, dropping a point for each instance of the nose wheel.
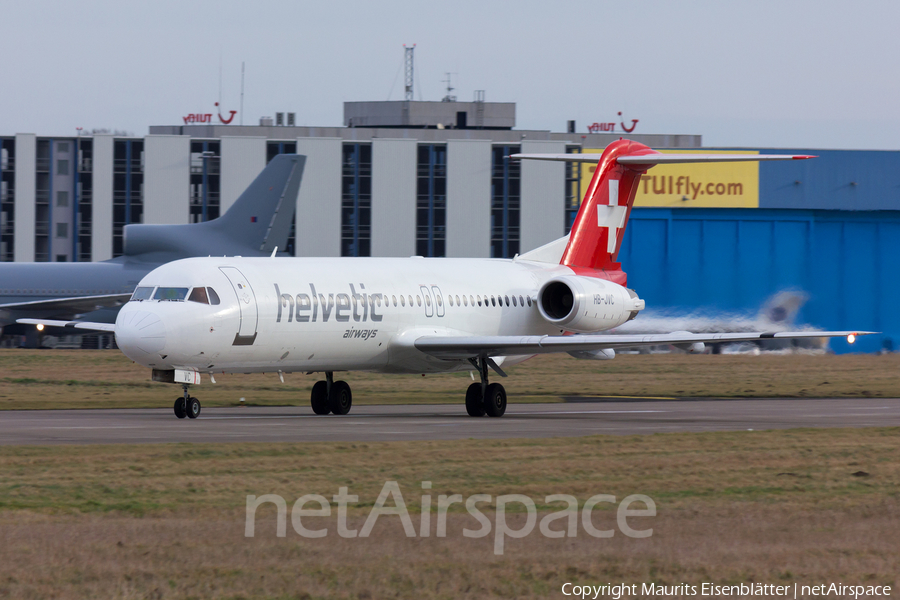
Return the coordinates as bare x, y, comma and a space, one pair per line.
187, 406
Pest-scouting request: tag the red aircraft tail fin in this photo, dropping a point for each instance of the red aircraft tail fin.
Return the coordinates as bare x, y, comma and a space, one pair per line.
600, 224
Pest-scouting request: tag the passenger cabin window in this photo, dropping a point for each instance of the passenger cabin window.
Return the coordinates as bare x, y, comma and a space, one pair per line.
171, 294
141, 294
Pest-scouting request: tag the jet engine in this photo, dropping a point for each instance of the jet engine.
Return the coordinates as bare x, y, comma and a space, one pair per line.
587, 304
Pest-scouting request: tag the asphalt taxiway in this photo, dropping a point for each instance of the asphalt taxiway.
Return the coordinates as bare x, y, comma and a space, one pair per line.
441, 422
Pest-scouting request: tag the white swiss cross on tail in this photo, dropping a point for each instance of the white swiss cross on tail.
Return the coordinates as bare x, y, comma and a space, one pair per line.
612, 216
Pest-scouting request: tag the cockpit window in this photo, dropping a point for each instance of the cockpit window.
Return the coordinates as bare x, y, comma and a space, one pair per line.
204, 296
198, 294
173, 294
142, 293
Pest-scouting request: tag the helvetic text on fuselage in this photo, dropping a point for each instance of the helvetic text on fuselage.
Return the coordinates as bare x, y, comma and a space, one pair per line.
306, 308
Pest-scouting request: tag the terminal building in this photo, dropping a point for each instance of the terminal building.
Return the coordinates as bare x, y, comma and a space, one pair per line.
418, 178
433, 179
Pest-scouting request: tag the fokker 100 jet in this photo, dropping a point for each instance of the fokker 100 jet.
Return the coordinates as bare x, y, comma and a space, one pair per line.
409, 315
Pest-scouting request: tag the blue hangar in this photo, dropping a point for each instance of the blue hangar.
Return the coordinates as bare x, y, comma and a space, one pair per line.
829, 226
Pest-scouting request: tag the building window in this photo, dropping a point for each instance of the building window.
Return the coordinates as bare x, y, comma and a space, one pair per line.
504, 202
273, 149
356, 200
62, 167
62, 147
573, 188
431, 200
62, 230
7, 198
83, 200
62, 198
61, 258
205, 177
128, 184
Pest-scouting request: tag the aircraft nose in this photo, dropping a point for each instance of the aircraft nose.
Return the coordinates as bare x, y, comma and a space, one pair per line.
140, 333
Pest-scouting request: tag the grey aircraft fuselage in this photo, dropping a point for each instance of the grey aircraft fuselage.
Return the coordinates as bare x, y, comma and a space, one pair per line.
257, 224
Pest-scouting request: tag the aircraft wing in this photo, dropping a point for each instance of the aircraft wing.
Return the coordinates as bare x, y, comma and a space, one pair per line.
450, 347
73, 306
69, 324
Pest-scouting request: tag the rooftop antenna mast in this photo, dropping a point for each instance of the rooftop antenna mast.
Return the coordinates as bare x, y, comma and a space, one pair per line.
242, 92
408, 51
450, 88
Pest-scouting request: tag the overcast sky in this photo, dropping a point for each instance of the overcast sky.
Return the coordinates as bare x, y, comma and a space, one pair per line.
804, 74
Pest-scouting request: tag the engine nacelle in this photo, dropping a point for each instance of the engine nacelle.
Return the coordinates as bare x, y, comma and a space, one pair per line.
587, 304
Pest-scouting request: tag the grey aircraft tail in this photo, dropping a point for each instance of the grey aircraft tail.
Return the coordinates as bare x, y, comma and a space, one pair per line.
257, 222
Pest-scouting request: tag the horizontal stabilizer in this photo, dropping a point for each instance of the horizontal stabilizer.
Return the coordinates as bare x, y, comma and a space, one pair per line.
69, 324
455, 348
660, 159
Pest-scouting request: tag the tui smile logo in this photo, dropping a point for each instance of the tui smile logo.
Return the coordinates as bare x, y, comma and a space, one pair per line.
634, 123
234, 112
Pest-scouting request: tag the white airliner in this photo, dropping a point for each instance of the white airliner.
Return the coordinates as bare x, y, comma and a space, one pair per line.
407, 315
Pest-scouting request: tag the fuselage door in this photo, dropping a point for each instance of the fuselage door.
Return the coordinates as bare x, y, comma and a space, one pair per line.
249, 316
438, 301
427, 299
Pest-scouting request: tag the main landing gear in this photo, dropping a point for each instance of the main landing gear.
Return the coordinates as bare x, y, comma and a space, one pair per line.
485, 398
188, 406
331, 396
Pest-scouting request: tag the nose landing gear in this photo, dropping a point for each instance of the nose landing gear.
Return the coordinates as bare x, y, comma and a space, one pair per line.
331, 396
187, 406
486, 398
